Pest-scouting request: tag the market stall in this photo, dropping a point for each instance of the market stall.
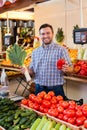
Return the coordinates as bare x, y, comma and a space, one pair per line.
46, 111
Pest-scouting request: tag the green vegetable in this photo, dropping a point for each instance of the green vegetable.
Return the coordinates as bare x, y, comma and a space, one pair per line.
17, 54
35, 124
42, 123
57, 126
48, 125
62, 127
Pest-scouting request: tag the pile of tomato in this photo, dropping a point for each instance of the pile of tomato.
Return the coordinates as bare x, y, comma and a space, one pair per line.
55, 106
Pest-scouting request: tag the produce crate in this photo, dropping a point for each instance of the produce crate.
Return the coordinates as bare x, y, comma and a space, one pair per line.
73, 127
39, 113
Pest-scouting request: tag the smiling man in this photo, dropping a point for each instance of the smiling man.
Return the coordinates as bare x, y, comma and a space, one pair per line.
47, 77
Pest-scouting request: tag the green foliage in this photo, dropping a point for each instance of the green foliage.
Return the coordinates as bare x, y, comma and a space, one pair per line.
59, 35
17, 54
76, 26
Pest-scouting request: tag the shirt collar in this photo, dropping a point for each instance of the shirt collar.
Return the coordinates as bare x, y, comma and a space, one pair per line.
47, 46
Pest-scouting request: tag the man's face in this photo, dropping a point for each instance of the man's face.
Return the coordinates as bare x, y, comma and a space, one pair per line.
46, 35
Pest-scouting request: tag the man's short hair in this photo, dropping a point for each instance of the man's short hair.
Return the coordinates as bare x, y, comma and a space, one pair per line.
46, 25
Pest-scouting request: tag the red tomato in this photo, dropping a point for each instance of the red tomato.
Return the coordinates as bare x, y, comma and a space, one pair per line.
35, 106
71, 120
70, 113
41, 108
40, 95
53, 101
47, 97
78, 107
51, 93
72, 106
24, 101
59, 98
32, 97
85, 123
60, 63
65, 111
38, 100
60, 109
43, 93
46, 104
65, 104
46, 110
50, 112
53, 106
84, 110
79, 121
79, 113
60, 116
72, 102
31, 105
53, 112
65, 118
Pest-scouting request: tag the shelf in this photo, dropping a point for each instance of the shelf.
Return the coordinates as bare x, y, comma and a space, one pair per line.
78, 79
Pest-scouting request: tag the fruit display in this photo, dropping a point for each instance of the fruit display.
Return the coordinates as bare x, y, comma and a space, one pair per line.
56, 107
12, 73
73, 54
80, 68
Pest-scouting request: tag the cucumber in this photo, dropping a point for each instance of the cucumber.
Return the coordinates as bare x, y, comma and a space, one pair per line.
54, 123
22, 120
35, 124
57, 126
48, 126
16, 121
62, 127
42, 123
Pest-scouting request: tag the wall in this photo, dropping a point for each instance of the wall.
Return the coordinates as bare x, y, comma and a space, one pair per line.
61, 13
65, 14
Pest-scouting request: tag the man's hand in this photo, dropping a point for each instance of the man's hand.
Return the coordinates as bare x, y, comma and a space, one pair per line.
29, 70
66, 68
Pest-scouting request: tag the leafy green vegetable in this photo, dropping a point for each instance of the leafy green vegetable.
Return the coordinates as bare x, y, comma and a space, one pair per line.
59, 35
17, 54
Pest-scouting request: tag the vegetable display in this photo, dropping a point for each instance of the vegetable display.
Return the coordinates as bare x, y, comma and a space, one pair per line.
55, 106
47, 124
12, 117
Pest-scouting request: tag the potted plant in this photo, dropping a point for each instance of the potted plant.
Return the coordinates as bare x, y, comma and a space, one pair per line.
60, 36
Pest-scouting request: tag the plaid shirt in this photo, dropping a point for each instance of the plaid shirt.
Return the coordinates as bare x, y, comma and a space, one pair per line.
44, 61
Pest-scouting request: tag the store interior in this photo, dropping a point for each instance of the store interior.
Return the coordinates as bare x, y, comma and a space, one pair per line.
19, 25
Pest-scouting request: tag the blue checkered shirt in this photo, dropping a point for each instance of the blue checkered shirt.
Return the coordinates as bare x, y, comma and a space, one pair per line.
44, 64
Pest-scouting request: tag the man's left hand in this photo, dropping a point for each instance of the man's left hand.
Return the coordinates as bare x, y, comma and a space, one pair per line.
66, 68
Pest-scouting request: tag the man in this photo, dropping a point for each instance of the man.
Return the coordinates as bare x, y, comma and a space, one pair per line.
43, 67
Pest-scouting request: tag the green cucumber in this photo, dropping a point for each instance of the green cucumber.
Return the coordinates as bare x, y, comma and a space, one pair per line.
48, 125
42, 123
62, 127
54, 123
57, 126
35, 124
